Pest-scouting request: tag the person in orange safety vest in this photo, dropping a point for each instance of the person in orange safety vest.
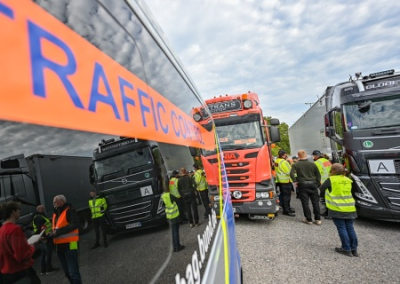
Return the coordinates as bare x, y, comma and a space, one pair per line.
65, 234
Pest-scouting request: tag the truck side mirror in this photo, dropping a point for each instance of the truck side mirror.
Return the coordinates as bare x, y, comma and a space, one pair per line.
274, 122
193, 151
328, 126
274, 134
91, 174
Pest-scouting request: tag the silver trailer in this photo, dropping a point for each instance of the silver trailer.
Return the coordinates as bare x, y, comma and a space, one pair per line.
308, 132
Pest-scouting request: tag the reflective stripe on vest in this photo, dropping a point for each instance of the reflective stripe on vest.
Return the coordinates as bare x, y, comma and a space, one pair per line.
69, 237
340, 198
96, 207
47, 224
324, 167
200, 180
282, 171
173, 187
171, 209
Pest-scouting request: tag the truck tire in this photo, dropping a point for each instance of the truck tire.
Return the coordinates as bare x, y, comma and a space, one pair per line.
85, 222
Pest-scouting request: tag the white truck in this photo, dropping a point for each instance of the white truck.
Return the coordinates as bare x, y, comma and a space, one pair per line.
308, 132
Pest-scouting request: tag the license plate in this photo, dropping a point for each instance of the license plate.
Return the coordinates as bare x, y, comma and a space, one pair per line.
134, 225
146, 190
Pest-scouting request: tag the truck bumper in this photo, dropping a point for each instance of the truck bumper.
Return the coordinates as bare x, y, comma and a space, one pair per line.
159, 220
254, 209
377, 212
257, 207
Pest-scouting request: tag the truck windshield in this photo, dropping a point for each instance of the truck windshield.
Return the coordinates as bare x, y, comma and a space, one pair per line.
373, 113
122, 163
239, 136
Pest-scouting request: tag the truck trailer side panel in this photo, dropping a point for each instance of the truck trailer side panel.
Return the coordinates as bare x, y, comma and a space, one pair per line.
308, 132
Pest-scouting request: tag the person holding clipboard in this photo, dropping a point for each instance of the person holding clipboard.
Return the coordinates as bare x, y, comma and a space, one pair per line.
15, 253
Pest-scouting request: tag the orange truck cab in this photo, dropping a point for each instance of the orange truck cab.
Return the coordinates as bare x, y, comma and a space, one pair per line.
245, 140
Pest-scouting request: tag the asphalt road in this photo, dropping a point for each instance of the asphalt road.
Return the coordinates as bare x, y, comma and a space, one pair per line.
281, 251
132, 257
288, 251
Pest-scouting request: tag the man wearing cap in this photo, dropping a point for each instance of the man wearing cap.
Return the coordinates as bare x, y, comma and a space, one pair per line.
308, 178
324, 167
284, 182
202, 189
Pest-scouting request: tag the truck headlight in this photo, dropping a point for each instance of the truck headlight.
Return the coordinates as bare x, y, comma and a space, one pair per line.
237, 194
365, 194
247, 104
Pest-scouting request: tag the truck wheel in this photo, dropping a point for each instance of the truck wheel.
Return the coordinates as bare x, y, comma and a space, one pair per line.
85, 222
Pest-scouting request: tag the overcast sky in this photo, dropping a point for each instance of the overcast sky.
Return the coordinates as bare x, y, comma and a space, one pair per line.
286, 51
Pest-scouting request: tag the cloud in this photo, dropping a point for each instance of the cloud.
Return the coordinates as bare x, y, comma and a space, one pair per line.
286, 51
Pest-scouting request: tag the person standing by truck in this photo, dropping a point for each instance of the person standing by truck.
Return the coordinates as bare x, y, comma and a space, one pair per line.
172, 214
15, 253
202, 189
284, 182
173, 190
41, 222
324, 167
308, 178
336, 191
98, 206
187, 189
66, 237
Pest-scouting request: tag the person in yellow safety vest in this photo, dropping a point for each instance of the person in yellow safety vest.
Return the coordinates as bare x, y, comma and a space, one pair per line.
98, 206
172, 214
336, 191
173, 189
284, 182
202, 189
324, 167
66, 237
41, 222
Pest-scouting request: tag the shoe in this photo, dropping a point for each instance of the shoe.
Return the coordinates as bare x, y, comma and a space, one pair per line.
345, 252
292, 210
191, 225
95, 246
51, 270
318, 222
355, 253
179, 248
305, 221
327, 218
43, 272
106, 245
197, 224
291, 214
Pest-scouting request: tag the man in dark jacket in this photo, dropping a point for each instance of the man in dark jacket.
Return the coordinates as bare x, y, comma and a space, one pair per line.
41, 222
66, 237
308, 178
187, 189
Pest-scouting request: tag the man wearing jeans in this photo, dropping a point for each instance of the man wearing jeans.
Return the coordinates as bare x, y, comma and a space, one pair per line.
308, 178
66, 237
